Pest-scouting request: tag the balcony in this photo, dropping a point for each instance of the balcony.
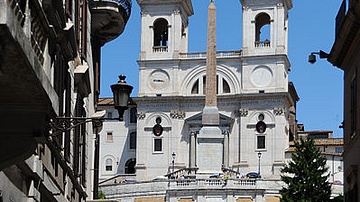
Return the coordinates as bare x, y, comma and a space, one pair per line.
109, 18
27, 96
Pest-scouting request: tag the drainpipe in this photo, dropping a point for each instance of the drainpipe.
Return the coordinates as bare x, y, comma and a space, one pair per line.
96, 167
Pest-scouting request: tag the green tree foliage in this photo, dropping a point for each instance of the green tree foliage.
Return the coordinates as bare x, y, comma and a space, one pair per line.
306, 175
101, 195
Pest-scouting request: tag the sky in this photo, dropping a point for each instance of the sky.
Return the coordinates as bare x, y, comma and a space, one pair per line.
311, 28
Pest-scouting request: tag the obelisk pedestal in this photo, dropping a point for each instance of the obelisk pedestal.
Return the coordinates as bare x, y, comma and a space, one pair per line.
210, 140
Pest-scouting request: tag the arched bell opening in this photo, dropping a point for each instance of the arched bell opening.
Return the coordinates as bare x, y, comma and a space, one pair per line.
262, 30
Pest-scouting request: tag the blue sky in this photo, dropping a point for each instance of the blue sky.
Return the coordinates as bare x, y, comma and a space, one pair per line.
311, 28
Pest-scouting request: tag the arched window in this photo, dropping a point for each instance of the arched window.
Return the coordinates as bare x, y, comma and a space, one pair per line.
195, 88
130, 166
160, 35
220, 89
225, 87
262, 35
108, 164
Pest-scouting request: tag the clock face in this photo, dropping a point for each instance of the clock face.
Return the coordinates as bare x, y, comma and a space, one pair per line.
261, 76
159, 80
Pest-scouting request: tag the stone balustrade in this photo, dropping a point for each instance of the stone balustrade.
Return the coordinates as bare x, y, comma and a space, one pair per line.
219, 54
160, 187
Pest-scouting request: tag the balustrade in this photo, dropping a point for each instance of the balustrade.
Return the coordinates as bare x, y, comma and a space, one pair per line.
219, 54
157, 49
265, 43
198, 183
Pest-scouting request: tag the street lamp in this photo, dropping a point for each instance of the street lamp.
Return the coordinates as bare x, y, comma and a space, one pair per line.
259, 157
121, 91
173, 155
312, 57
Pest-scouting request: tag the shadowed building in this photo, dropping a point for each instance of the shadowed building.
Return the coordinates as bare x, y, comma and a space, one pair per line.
345, 55
49, 68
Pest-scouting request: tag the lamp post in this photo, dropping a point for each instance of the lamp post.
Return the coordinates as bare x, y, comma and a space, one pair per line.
121, 91
259, 157
173, 155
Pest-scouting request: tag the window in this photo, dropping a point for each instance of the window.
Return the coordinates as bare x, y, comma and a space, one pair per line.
110, 115
353, 103
133, 115
108, 165
157, 145
109, 137
130, 166
160, 35
195, 88
204, 85
319, 135
132, 141
226, 87
262, 30
339, 149
222, 86
260, 142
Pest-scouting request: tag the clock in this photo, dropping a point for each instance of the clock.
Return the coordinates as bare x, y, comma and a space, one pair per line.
159, 80
261, 76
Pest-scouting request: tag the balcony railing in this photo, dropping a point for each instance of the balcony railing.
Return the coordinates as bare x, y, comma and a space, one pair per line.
159, 49
219, 54
265, 43
163, 186
125, 6
213, 183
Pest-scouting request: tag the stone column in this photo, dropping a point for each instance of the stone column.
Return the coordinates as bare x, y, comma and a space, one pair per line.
192, 150
226, 149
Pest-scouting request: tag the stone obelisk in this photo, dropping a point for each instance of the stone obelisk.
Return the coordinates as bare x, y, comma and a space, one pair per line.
210, 139
210, 110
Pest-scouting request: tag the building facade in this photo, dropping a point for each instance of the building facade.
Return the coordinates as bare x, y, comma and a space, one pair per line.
256, 106
49, 68
345, 55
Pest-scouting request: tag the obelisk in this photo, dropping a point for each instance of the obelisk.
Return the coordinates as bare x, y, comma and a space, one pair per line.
210, 111
210, 140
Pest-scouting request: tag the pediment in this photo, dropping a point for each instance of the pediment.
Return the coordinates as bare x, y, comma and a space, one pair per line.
197, 120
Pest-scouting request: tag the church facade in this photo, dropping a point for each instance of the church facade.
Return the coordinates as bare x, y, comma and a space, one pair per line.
173, 159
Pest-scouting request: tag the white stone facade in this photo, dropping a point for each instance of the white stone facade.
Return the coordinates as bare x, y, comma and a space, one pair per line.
252, 87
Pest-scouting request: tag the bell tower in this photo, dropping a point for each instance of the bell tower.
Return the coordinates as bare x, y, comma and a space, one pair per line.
265, 45
265, 26
164, 28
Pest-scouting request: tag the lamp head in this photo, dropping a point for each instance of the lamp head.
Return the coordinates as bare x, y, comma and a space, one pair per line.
121, 91
312, 58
